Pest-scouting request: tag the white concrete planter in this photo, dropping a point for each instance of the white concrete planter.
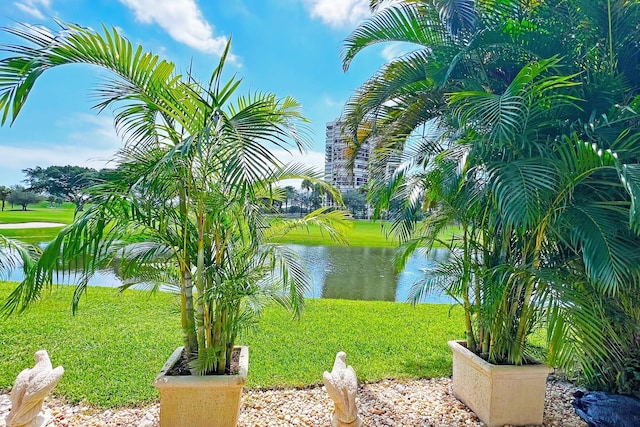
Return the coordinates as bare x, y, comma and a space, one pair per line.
200, 401
499, 394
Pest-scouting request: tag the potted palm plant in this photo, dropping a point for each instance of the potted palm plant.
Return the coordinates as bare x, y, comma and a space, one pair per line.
490, 139
493, 267
185, 208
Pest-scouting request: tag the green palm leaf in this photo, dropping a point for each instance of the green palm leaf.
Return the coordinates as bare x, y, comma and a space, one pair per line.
522, 189
609, 260
630, 177
403, 22
459, 15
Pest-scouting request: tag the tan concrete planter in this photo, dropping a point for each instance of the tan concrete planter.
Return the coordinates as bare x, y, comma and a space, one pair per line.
498, 394
200, 401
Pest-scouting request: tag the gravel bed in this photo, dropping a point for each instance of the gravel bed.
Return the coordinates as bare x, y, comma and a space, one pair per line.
386, 403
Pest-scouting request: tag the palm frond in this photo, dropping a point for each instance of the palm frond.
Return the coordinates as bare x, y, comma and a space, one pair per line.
444, 277
522, 189
630, 177
148, 80
330, 222
403, 22
459, 15
608, 259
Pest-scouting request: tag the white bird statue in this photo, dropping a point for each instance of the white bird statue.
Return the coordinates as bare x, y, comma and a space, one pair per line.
29, 391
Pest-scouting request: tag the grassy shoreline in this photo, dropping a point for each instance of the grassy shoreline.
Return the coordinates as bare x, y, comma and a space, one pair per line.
115, 346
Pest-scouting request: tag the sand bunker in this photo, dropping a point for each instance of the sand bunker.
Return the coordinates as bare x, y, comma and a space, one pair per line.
32, 225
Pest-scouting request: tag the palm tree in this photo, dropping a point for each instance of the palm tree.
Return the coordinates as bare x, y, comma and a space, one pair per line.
545, 189
306, 185
540, 199
4, 194
191, 179
458, 45
290, 194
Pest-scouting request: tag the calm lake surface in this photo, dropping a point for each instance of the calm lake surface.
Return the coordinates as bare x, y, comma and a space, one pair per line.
343, 273
365, 273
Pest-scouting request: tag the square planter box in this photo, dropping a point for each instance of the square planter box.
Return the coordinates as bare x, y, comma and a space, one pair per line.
499, 394
200, 401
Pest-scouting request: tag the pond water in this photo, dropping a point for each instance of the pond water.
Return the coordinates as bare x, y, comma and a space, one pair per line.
365, 273
341, 273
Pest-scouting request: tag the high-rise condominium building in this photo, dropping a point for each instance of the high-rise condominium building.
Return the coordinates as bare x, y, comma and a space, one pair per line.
336, 163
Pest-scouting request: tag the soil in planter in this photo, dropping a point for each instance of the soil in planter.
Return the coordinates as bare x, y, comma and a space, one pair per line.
526, 361
181, 367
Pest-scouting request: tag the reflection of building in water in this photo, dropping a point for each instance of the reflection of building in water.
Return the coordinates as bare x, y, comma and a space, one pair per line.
336, 163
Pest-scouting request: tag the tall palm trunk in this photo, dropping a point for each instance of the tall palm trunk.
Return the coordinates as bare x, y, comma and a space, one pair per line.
471, 342
531, 283
186, 284
224, 341
200, 279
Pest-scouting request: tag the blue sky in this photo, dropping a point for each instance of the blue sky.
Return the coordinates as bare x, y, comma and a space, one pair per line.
288, 47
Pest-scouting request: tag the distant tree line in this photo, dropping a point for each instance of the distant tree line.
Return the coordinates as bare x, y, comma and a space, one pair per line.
53, 183
57, 184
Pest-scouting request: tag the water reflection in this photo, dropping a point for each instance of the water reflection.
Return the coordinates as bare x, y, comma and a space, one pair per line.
337, 272
365, 273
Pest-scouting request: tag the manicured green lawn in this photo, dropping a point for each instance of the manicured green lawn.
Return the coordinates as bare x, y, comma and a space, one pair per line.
32, 235
62, 215
114, 347
362, 233
37, 213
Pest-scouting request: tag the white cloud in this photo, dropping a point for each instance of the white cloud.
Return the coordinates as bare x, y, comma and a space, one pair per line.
331, 103
339, 13
343, 13
16, 158
97, 131
29, 10
313, 159
183, 20
33, 7
93, 144
395, 50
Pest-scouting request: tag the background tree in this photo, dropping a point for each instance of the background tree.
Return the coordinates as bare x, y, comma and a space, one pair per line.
306, 186
317, 193
356, 202
68, 182
22, 197
4, 194
290, 195
313, 193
